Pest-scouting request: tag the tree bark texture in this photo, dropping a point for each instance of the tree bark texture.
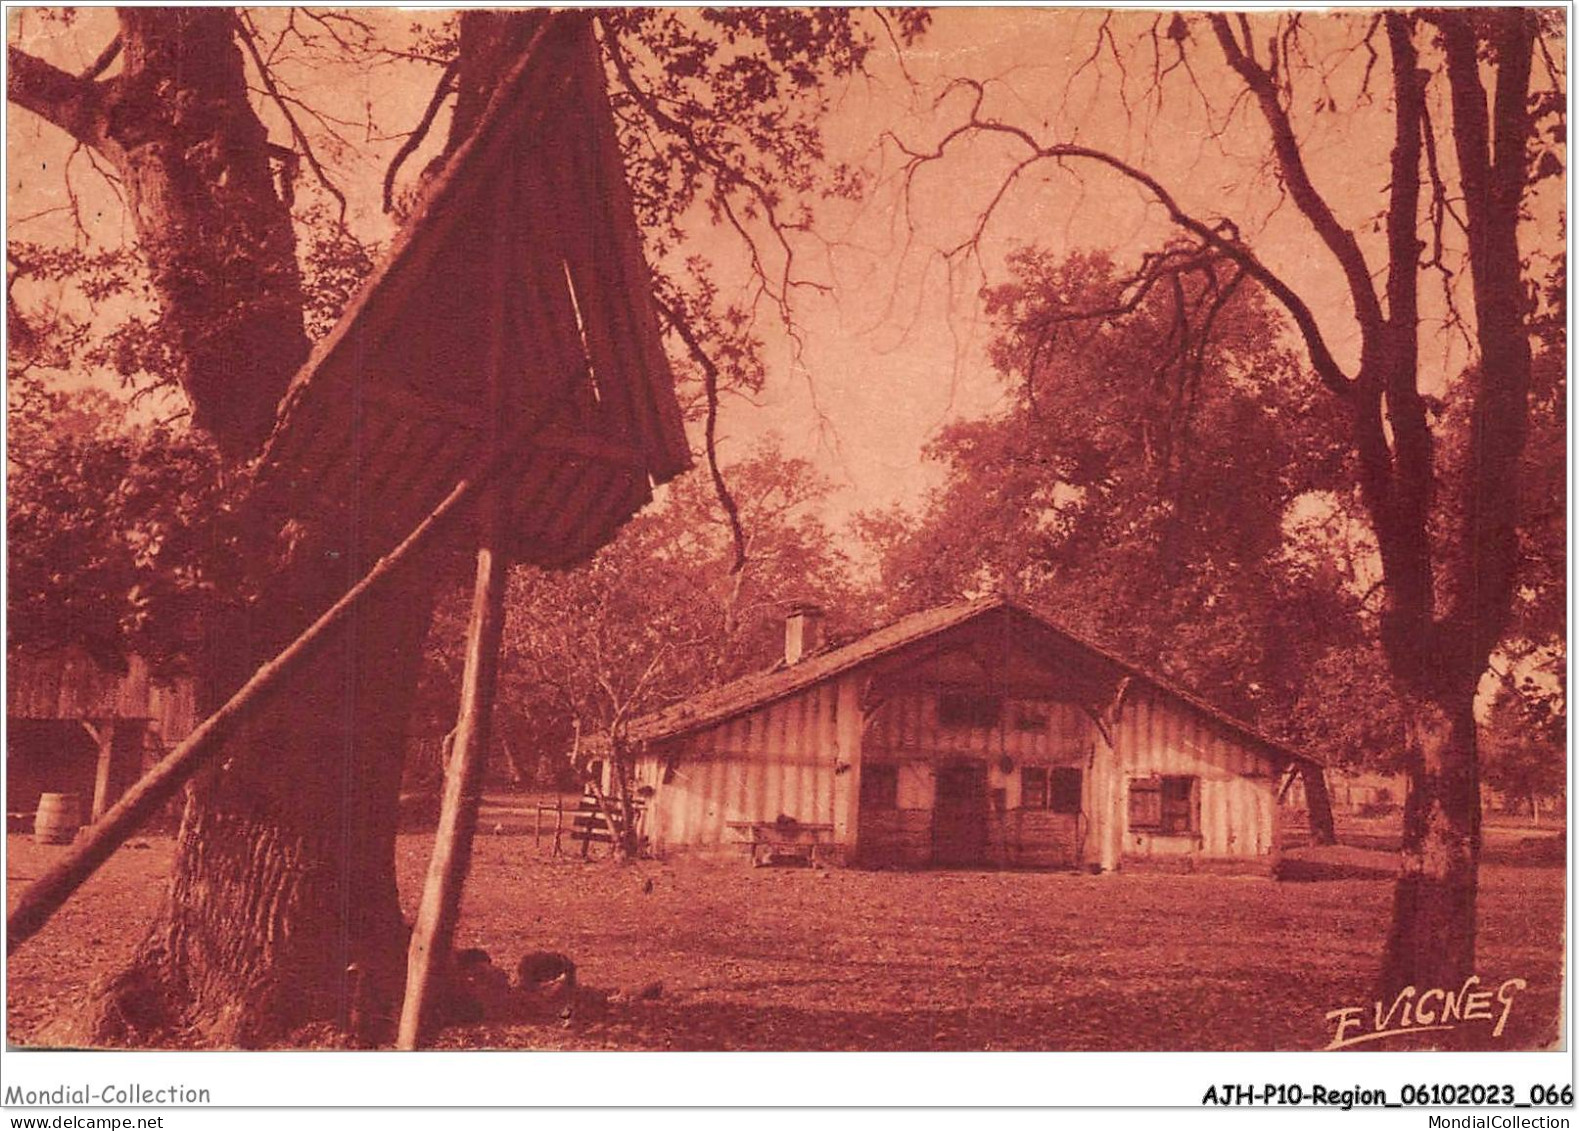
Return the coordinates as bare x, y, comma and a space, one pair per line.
1431, 942
282, 909
199, 181
216, 234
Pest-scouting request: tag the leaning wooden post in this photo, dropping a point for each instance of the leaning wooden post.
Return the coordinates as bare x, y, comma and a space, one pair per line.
159, 784
428, 958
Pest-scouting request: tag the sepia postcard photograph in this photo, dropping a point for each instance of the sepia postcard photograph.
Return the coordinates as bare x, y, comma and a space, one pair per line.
745, 529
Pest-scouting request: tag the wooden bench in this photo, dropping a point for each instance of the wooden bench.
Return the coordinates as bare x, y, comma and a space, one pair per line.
781, 841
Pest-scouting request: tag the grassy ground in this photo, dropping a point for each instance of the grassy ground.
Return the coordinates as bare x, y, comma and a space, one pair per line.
801, 959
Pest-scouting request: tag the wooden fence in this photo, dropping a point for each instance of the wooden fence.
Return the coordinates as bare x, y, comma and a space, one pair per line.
586, 824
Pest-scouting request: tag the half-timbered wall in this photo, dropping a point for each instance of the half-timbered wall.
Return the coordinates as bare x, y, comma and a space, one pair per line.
799, 758
907, 730
1236, 809
777, 761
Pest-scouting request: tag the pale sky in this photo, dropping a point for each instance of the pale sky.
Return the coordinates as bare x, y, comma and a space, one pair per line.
896, 348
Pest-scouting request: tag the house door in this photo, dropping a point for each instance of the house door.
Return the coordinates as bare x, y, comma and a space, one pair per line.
959, 816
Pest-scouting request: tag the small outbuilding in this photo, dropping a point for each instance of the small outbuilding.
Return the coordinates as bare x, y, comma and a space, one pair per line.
976, 734
76, 724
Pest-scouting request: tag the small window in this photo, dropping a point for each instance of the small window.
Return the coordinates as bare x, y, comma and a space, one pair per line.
1167, 805
1063, 790
961, 709
1145, 804
1033, 787
1178, 805
1030, 717
879, 787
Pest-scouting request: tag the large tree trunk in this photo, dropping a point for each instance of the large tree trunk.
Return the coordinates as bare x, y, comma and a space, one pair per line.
1444, 623
195, 163
216, 235
1318, 804
282, 908
1432, 940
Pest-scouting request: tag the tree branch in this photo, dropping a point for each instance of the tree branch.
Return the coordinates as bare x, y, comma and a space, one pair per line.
244, 33
1291, 163
72, 103
409, 146
1492, 154
111, 52
1403, 209
725, 178
1440, 210
1407, 498
710, 382
1221, 236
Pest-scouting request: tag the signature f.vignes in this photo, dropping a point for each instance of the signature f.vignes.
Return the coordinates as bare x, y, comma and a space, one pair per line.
1437, 1009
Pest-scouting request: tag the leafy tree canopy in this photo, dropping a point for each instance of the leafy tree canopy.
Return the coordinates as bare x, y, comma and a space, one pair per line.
1167, 515
119, 533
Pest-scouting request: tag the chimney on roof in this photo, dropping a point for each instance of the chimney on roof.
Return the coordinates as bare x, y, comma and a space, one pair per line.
802, 633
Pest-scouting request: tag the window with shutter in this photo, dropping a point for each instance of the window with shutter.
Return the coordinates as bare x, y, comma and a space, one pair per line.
1179, 807
1145, 804
1170, 805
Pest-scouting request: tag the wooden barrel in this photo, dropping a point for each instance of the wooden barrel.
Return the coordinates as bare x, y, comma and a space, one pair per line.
58, 819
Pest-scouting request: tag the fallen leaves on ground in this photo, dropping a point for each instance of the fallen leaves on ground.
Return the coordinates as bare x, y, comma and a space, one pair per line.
789, 959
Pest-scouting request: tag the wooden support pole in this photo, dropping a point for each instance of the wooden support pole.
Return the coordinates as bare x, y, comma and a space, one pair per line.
428, 957
847, 742
55, 886
1290, 776
103, 737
